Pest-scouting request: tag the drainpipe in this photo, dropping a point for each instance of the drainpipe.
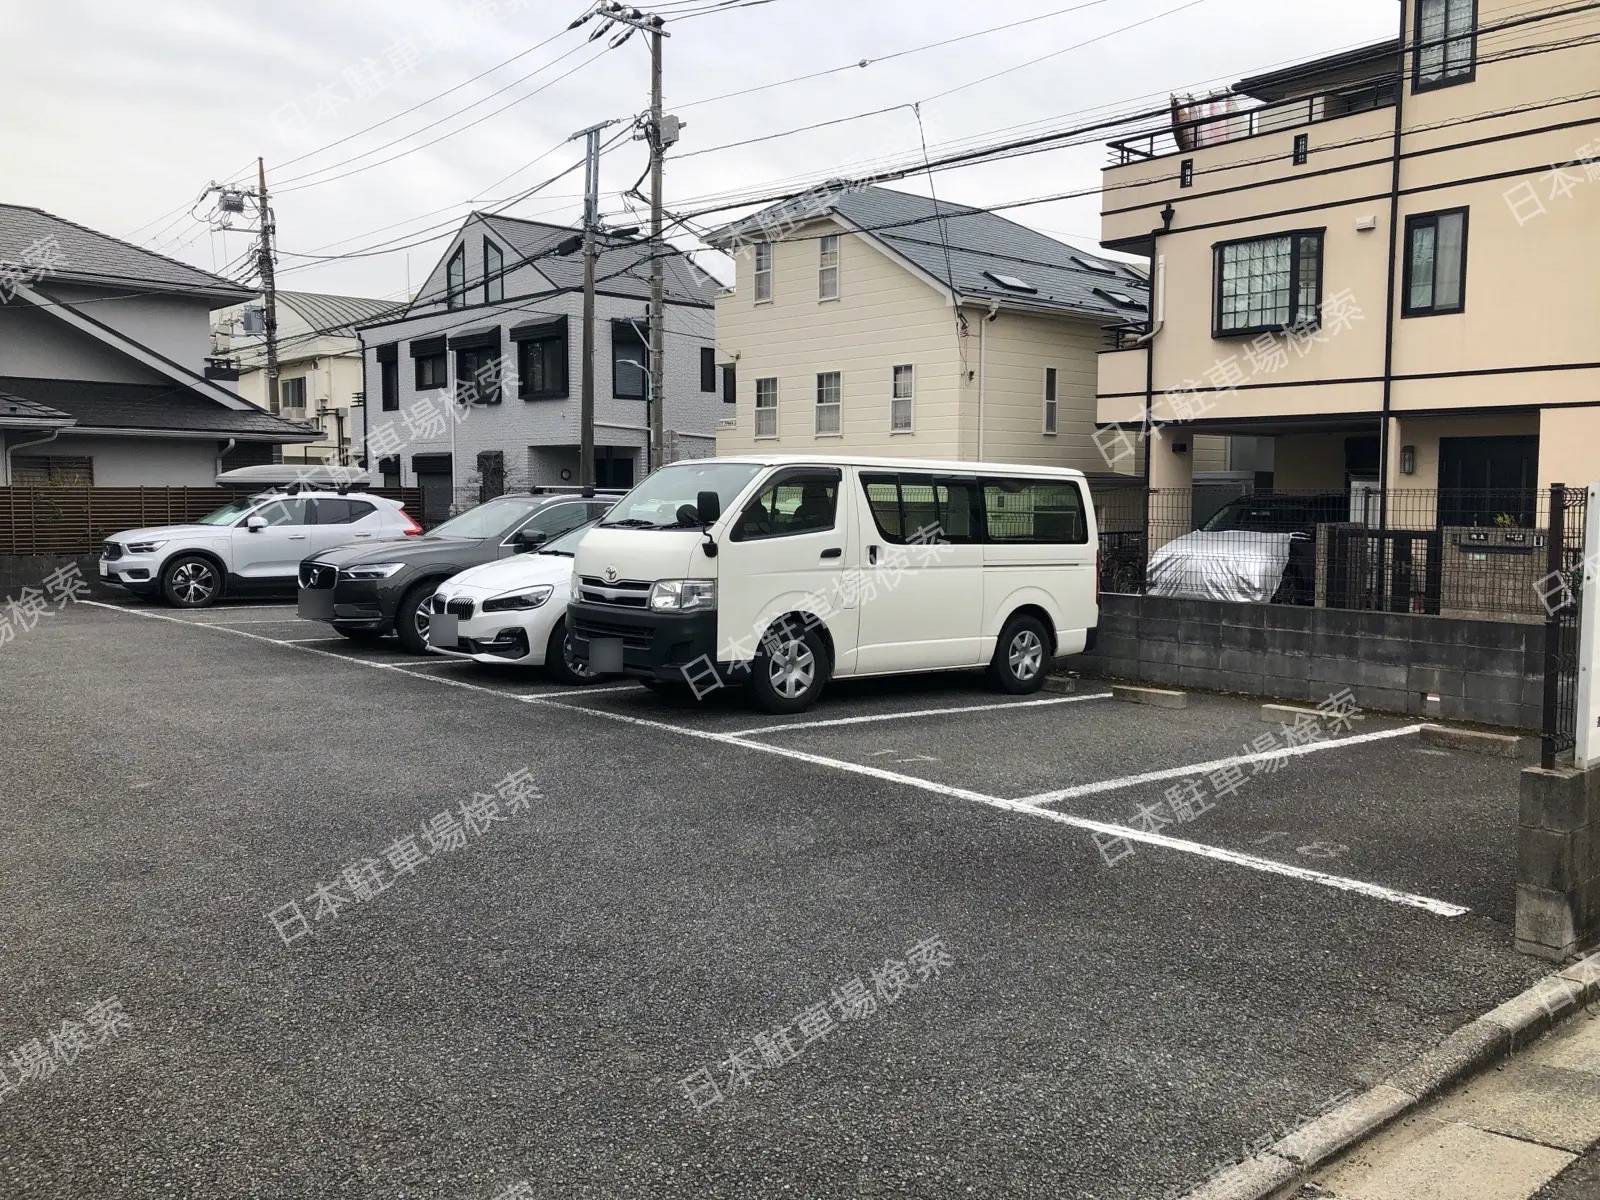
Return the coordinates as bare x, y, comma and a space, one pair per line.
1388, 308
983, 367
54, 433
223, 456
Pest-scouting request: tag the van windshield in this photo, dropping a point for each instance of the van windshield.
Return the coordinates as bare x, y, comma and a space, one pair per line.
656, 502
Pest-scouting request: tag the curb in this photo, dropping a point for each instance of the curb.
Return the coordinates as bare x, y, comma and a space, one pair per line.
1498, 1033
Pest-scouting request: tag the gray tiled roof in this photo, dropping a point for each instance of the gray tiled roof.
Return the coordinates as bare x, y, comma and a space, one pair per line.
151, 406
337, 314
623, 267
82, 253
18, 408
978, 242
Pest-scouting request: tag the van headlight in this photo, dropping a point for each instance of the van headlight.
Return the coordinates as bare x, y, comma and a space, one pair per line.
519, 601
684, 595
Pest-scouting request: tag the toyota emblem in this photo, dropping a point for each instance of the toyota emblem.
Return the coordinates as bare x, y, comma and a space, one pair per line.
611, 574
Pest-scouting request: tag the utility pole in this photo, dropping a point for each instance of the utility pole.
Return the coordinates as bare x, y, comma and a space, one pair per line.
591, 254
660, 131
269, 290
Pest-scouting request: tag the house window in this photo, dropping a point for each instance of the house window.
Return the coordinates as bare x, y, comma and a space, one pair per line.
766, 408
478, 376
763, 272
58, 470
1049, 399
1186, 173
1268, 284
1435, 278
730, 384
1302, 148
494, 272
828, 267
708, 368
829, 393
292, 393
1446, 43
455, 279
630, 359
542, 365
902, 397
431, 371
389, 377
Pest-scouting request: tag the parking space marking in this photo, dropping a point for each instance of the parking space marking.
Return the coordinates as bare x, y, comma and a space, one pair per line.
993, 706
1216, 764
1024, 807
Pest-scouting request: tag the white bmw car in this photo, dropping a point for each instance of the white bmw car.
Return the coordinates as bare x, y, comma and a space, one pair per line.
513, 610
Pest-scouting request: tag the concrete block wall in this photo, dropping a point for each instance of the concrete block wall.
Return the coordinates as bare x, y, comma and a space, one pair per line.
1558, 863
1483, 671
18, 571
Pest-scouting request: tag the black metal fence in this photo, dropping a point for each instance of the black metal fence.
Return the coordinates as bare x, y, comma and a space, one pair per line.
1473, 553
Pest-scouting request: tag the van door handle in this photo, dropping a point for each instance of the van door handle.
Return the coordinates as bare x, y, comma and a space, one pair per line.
297, 537
834, 552
872, 555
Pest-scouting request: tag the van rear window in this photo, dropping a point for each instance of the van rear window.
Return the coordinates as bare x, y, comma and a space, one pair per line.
1034, 512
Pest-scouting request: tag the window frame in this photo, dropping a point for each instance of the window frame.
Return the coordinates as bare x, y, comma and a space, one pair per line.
389, 385
828, 244
762, 275
440, 362
1219, 333
301, 388
643, 343
554, 343
1186, 173
1050, 418
480, 356
730, 383
789, 475
1416, 221
758, 408
1418, 83
1302, 149
494, 281
910, 398
455, 279
836, 380
708, 368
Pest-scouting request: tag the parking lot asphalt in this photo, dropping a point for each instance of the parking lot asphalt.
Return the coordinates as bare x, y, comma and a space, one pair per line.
528, 1006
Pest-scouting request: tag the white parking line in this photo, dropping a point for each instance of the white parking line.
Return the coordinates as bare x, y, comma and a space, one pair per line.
1022, 807
1205, 768
993, 706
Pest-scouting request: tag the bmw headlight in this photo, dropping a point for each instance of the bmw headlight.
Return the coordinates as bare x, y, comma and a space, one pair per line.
684, 595
373, 570
145, 547
519, 601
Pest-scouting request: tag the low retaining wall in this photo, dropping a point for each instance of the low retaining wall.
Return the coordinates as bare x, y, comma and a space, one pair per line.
18, 571
1488, 672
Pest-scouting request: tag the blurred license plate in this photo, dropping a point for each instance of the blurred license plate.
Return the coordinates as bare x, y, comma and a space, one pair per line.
444, 631
605, 655
316, 604
105, 569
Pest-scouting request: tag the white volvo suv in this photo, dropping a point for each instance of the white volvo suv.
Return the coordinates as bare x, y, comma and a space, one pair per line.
250, 547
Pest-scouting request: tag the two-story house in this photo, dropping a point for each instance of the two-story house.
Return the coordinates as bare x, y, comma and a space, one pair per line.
319, 363
499, 325
864, 318
1381, 263
104, 371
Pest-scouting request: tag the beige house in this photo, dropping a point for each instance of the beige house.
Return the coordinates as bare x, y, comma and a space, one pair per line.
319, 363
863, 319
1382, 263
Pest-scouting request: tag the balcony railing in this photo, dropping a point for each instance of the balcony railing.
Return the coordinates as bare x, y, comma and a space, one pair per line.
1184, 134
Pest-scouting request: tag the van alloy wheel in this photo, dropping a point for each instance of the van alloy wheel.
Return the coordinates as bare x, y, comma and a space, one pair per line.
1026, 655
792, 667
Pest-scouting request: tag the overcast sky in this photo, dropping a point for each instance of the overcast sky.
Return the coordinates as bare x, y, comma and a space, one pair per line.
118, 114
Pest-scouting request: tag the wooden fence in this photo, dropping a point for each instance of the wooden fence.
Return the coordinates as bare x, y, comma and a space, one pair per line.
76, 520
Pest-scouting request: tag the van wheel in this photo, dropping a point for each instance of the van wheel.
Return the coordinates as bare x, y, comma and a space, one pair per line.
790, 668
1021, 657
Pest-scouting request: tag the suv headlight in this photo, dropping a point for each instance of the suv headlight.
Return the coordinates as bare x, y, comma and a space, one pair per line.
145, 547
373, 571
684, 595
519, 601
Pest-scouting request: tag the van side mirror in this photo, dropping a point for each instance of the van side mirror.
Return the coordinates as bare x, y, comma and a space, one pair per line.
709, 505
256, 524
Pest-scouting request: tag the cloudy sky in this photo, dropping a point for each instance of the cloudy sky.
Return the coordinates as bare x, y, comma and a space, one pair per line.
377, 136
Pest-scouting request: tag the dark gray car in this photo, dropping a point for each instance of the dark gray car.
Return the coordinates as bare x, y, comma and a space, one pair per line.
368, 591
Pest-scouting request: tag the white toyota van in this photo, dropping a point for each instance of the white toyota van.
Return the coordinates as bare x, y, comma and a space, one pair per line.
779, 572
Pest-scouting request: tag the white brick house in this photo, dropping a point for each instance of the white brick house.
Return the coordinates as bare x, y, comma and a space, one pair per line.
499, 323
